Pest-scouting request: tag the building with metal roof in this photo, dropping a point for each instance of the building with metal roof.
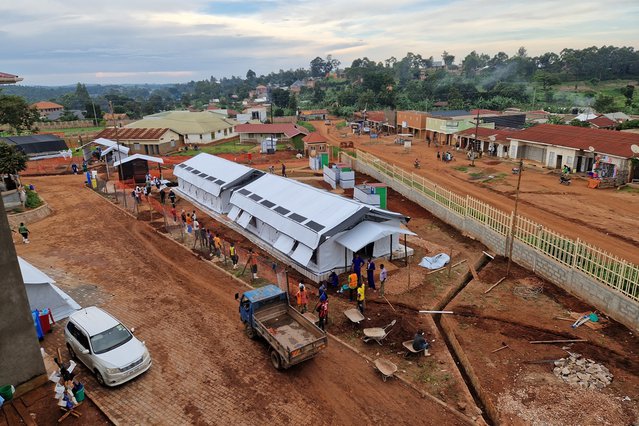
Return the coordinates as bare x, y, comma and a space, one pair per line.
39, 146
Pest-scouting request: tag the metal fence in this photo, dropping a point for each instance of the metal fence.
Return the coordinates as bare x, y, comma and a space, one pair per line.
604, 267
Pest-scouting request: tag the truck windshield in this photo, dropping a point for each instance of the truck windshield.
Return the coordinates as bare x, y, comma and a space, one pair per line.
110, 339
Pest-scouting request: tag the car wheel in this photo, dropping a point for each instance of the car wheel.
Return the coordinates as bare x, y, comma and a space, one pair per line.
276, 360
99, 378
72, 354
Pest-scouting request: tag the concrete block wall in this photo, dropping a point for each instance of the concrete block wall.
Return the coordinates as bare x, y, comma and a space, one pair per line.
602, 297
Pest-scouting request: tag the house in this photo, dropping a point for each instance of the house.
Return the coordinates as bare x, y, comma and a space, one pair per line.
54, 116
413, 122
442, 125
493, 142
285, 119
602, 122
254, 133
604, 153
113, 150
314, 144
39, 146
296, 87
209, 180
45, 108
315, 230
256, 113
619, 117
44, 294
136, 167
313, 114
9, 78
261, 91
143, 140
193, 128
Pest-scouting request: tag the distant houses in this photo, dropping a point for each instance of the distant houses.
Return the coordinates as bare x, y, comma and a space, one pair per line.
255, 133
144, 140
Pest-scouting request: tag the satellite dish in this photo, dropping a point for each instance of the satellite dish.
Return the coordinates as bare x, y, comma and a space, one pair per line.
634, 148
591, 148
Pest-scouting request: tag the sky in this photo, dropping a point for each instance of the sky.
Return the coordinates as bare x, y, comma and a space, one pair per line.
59, 42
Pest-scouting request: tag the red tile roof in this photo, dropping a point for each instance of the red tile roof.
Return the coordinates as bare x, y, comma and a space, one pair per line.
484, 112
46, 105
602, 121
484, 133
132, 133
314, 137
604, 141
314, 111
289, 130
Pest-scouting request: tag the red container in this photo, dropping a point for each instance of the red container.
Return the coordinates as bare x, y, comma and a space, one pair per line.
46, 319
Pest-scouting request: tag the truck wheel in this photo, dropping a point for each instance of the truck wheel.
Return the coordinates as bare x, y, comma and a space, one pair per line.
250, 332
276, 360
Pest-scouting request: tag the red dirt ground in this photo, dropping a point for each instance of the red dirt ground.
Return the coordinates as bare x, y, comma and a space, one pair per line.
604, 217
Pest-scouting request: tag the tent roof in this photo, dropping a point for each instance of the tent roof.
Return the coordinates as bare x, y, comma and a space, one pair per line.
212, 173
301, 211
367, 232
123, 149
31, 274
139, 157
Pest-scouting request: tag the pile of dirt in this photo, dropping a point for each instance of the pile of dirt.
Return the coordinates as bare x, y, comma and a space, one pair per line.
576, 370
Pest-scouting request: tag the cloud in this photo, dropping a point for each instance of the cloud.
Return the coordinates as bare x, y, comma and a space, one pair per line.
62, 41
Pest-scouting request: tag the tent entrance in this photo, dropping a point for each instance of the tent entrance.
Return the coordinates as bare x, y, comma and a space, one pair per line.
367, 250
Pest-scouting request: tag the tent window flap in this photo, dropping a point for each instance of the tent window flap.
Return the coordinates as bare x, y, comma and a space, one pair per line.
302, 254
284, 243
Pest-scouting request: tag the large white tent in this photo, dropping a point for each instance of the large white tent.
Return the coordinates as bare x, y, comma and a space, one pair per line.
209, 180
44, 294
318, 230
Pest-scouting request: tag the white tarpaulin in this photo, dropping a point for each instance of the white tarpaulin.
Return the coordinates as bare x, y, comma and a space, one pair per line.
244, 219
435, 262
44, 294
284, 243
368, 232
302, 254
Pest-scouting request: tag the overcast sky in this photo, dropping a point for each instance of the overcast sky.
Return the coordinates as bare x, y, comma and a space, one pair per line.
51, 42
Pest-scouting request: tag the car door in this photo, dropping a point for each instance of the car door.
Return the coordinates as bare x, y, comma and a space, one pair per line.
80, 343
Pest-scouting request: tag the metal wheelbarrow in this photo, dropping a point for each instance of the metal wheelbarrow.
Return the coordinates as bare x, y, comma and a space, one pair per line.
354, 315
378, 334
387, 368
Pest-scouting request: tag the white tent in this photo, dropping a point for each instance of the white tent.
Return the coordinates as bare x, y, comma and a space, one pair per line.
209, 180
316, 229
44, 294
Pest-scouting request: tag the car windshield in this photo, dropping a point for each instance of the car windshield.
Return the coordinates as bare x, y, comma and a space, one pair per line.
110, 339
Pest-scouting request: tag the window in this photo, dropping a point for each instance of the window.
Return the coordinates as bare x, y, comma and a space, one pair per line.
200, 137
136, 146
172, 143
110, 339
253, 222
225, 132
78, 335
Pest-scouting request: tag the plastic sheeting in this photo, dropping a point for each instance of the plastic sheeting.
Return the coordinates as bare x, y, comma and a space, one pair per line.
367, 232
435, 262
284, 243
302, 254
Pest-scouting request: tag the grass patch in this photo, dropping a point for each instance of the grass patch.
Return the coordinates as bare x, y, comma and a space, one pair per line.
223, 148
308, 126
76, 130
340, 125
461, 168
629, 190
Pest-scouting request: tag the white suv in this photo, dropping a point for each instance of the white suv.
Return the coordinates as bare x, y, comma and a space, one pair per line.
105, 346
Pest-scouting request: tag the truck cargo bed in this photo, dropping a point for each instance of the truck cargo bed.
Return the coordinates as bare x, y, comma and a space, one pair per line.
288, 327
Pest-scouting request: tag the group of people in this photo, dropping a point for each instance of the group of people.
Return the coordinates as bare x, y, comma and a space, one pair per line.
356, 283
445, 157
321, 307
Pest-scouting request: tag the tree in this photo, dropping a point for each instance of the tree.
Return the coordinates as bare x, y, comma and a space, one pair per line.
448, 59
90, 108
604, 103
81, 96
12, 160
292, 102
628, 93
279, 97
317, 67
15, 112
546, 79
250, 75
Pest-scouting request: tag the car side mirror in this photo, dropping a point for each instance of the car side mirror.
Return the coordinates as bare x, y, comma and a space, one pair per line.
132, 330
85, 351
237, 296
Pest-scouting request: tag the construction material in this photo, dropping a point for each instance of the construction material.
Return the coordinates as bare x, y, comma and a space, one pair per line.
495, 285
541, 361
504, 345
435, 312
535, 342
586, 373
441, 269
473, 271
492, 256
564, 319
527, 292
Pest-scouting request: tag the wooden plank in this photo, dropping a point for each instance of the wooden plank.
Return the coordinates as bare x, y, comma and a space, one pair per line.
435, 312
534, 342
473, 271
12, 416
24, 413
495, 285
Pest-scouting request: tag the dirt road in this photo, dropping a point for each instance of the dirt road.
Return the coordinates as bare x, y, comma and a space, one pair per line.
606, 218
205, 370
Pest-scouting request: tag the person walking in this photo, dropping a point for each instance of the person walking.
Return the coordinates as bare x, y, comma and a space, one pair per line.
357, 267
217, 246
322, 310
193, 215
439, 156
253, 258
174, 214
233, 254
361, 297
333, 279
24, 231
302, 298
189, 223
162, 195
138, 194
183, 217
383, 275
172, 196
196, 232
352, 286
283, 169
370, 274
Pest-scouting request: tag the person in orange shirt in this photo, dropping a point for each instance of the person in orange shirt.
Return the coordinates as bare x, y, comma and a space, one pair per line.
352, 285
302, 299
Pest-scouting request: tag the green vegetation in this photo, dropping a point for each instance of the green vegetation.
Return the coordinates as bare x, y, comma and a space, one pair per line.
340, 125
33, 199
224, 148
461, 168
629, 190
12, 160
79, 130
308, 126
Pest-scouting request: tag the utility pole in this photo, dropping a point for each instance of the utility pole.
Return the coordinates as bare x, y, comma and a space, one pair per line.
117, 141
512, 228
472, 148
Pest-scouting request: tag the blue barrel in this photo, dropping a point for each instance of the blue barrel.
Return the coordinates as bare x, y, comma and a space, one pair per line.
36, 321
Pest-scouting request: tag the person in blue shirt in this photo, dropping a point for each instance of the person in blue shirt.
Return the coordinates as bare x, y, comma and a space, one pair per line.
370, 274
357, 267
333, 279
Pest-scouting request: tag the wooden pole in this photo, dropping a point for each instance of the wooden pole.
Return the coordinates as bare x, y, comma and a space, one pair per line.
534, 342
435, 312
495, 285
450, 261
512, 228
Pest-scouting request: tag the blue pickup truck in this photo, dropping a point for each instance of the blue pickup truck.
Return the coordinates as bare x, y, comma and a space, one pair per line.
266, 312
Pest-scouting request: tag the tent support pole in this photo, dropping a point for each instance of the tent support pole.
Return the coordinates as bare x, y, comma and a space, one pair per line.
345, 259
405, 251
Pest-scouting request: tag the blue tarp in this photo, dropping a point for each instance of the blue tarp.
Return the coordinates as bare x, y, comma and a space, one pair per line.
435, 262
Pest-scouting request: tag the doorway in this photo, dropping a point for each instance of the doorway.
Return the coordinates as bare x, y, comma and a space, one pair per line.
558, 163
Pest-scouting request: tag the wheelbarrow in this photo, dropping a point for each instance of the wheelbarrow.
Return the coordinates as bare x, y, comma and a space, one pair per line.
378, 334
387, 368
408, 344
354, 315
